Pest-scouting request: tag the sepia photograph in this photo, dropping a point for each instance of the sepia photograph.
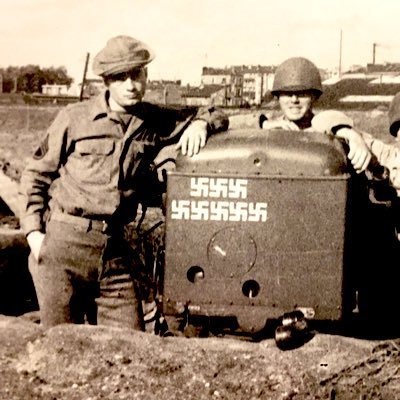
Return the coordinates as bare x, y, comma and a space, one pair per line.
199, 200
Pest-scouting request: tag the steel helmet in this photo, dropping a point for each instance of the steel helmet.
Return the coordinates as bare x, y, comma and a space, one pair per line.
297, 74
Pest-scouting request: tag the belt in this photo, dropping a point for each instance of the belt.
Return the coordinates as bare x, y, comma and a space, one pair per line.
86, 223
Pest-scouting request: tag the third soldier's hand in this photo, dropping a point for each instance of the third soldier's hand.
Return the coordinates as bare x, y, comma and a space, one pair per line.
359, 154
193, 138
35, 241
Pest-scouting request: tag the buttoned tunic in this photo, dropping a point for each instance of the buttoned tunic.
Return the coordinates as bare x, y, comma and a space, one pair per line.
92, 166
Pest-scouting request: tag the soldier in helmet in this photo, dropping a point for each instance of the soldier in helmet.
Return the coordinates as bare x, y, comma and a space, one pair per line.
297, 86
84, 183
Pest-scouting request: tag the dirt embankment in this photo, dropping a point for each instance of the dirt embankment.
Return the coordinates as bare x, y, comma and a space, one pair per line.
88, 363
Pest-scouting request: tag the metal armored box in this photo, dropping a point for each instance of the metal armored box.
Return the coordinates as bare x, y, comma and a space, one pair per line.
256, 227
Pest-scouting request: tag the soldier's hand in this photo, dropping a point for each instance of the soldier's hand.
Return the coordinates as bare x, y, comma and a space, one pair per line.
359, 154
193, 138
35, 240
280, 124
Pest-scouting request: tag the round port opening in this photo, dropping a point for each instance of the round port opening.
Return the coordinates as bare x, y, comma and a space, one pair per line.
251, 289
195, 274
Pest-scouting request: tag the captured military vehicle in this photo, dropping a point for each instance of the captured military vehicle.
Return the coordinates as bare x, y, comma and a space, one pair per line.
275, 225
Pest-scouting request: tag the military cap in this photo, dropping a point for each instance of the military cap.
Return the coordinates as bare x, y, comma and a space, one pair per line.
121, 54
394, 115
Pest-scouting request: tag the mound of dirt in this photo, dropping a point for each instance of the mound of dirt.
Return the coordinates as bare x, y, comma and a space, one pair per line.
99, 362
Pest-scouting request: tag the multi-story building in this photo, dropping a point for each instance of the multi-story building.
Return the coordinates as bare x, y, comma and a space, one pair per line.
230, 79
245, 84
164, 92
205, 95
216, 76
257, 80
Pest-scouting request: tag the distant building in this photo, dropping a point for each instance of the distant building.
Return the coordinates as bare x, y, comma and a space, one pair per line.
1, 83
383, 69
55, 90
205, 95
257, 81
164, 92
245, 84
216, 76
93, 86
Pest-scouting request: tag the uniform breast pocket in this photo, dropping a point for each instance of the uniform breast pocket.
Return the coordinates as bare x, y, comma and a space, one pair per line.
93, 160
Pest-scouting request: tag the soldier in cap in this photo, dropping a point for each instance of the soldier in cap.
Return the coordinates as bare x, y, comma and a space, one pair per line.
297, 86
85, 181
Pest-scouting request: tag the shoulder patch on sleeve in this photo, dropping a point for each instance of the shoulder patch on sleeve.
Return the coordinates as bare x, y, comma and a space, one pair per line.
42, 150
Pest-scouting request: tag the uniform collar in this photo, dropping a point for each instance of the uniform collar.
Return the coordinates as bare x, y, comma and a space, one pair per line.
305, 122
101, 109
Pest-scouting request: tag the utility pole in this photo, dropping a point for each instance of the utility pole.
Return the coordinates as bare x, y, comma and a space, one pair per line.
340, 55
84, 77
373, 53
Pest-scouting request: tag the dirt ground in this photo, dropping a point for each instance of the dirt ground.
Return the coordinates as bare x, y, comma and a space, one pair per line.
81, 362
89, 363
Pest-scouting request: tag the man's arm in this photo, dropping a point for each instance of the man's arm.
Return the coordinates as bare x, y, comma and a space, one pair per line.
38, 175
385, 155
359, 153
340, 125
207, 121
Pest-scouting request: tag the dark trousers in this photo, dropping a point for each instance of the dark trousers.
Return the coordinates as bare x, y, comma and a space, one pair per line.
79, 278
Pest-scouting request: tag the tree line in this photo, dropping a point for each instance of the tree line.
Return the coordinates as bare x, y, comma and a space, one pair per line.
31, 78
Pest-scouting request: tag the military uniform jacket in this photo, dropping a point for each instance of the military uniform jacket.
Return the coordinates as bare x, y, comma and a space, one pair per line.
89, 163
386, 155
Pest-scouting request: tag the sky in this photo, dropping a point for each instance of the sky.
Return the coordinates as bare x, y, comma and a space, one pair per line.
189, 34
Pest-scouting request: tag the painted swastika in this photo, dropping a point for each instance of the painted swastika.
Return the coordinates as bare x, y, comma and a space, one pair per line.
205, 210
231, 188
227, 189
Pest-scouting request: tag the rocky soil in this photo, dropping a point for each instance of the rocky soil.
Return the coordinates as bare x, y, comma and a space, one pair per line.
98, 362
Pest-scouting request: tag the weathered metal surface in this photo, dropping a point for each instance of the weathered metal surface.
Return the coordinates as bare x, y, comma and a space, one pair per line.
268, 238
277, 152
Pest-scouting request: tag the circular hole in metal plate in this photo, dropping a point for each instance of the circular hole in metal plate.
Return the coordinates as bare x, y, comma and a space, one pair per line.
251, 288
195, 274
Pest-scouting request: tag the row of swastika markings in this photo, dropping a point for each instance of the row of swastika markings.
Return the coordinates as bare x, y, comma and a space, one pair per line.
231, 188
